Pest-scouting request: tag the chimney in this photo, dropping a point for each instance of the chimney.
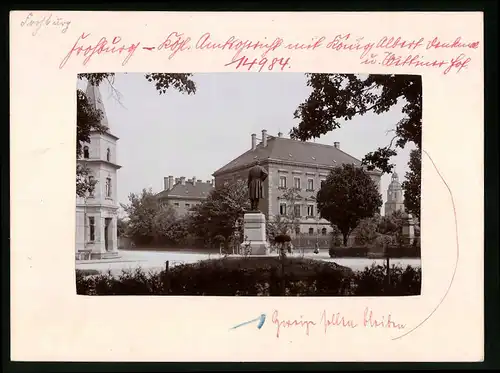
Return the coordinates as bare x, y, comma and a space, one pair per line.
264, 138
183, 180
166, 185
171, 182
177, 180
336, 144
194, 180
280, 134
254, 141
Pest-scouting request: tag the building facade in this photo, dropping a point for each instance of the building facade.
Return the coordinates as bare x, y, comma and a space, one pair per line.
97, 212
395, 201
183, 194
290, 163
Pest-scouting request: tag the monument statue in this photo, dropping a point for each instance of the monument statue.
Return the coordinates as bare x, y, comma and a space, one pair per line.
256, 177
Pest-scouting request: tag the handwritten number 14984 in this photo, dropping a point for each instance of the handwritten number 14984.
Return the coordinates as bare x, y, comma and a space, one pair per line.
264, 62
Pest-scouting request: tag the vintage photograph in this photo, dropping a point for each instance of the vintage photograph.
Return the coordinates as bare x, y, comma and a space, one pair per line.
305, 184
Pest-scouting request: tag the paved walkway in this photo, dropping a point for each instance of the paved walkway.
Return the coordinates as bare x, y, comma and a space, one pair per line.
155, 260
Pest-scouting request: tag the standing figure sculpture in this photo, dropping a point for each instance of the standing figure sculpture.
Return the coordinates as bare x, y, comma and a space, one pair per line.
256, 177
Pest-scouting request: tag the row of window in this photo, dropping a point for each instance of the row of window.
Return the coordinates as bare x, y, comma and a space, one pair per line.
107, 187
297, 183
177, 204
86, 153
311, 231
297, 210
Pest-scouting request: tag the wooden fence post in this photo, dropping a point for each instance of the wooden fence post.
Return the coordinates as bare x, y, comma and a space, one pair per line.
388, 274
283, 286
166, 279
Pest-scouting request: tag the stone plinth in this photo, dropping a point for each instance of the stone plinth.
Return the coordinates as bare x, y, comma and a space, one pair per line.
254, 233
409, 228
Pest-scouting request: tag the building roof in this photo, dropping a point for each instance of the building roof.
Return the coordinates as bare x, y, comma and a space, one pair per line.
283, 149
187, 190
94, 97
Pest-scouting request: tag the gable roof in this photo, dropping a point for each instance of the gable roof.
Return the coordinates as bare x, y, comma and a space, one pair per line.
187, 191
283, 149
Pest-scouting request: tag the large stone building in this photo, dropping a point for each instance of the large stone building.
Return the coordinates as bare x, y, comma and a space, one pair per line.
395, 200
290, 163
96, 213
183, 194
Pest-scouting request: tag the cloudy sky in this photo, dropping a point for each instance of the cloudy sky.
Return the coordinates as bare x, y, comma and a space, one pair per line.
194, 135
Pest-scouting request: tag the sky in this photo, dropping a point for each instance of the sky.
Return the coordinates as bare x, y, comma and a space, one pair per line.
194, 135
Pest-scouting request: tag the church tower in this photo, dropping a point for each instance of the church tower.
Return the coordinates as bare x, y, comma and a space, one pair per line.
97, 212
394, 196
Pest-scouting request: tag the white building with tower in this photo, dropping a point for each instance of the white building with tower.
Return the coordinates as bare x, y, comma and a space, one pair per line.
97, 213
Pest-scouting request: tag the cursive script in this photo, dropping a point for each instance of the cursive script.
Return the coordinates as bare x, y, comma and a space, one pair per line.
276, 53
329, 320
371, 321
36, 22
336, 319
306, 324
103, 46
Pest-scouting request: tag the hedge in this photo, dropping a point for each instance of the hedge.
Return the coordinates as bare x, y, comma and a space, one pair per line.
403, 251
255, 277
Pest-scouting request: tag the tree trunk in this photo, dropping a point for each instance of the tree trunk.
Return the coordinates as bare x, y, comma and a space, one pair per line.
346, 238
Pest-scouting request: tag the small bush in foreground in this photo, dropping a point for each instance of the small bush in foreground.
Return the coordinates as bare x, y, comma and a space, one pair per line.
256, 277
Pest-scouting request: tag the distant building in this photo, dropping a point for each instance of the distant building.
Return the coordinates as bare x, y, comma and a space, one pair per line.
183, 194
395, 201
290, 163
96, 213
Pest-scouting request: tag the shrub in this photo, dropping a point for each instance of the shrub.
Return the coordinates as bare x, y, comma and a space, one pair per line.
373, 281
260, 276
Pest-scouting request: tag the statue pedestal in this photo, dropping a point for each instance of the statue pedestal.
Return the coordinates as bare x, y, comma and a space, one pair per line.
409, 229
254, 233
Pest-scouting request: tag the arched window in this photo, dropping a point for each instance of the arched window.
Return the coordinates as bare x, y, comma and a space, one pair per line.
311, 231
108, 155
86, 152
297, 230
323, 231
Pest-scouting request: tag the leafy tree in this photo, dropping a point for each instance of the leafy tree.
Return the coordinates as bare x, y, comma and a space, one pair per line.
392, 226
412, 184
348, 196
343, 96
366, 231
142, 210
122, 226
285, 224
88, 119
220, 213
164, 220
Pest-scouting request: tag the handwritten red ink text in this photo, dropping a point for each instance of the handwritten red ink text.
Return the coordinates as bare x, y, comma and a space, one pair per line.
370, 321
102, 46
260, 64
301, 46
457, 43
392, 59
336, 319
346, 42
291, 323
205, 43
175, 43
393, 43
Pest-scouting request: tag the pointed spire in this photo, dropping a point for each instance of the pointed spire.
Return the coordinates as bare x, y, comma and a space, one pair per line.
94, 97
